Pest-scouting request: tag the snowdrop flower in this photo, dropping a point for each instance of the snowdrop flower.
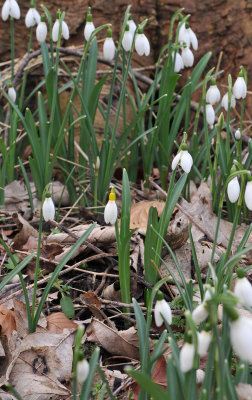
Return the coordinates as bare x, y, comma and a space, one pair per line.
132, 25
32, 17
109, 47
204, 340
178, 64
248, 195
89, 27
240, 87
142, 44
208, 293
41, 30
243, 288
12, 93
238, 134
187, 57
10, 9
184, 159
233, 190
127, 39
200, 375
162, 307
224, 101
213, 93
56, 26
186, 356
240, 336
48, 208
82, 370
200, 313
210, 114
193, 38
110, 211
184, 35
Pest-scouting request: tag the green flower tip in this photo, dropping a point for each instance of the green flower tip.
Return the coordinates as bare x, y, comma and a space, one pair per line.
188, 337
48, 195
213, 82
43, 18
207, 327
127, 28
109, 33
10, 84
240, 273
89, 18
130, 17
32, 4
140, 30
159, 295
183, 146
58, 14
233, 169
231, 312
89, 10
187, 25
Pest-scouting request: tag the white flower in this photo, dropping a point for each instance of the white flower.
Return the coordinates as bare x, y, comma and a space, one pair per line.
41, 30
127, 39
184, 36
32, 17
193, 39
200, 375
210, 114
12, 94
224, 101
240, 88
248, 195
243, 290
142, 44
200, 313
186, 357
208, 294
240, 336
178, 64
89, 27
213, 95
238, 134
10, 8
204, 340
233, 190
187, 57
48, 209
109, 47
132, 25
184, 159
162, 307
64, 30
110, 211
82, 370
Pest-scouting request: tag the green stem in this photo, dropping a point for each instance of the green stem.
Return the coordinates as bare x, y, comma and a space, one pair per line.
37, 269
21, 98
12, 29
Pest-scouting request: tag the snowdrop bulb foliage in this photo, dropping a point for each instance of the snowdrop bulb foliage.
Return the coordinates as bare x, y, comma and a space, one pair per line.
110, 211
240, 336
240, 88
224, 101
41, 30
142, 44
82, 370
204, 340
12, 93
132, 25
248, 195
48, 208
187, 57
10, 9
89, 27
213, 94
186, 357
32, 18
210, 114
233, 190
64, 29
127, 39
184, 159
200, 313
178, 63
243, 290
162, 307
109, 47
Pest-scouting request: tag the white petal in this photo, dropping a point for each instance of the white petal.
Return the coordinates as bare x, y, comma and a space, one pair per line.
200, 313
55, 31
146, 45
200, 375
186, 357
162, 307
89, 28
36, 16
41, 32
240, 336
65, 30
243, 290
12, 94
233, 190
204, 340
140, 44
14, 9
248, 195
193, 39
82, 370
213, 95
210, 114
110, 212
224, 101
184, 36
48, 209
127, 40
132, 26
175, 161
6, 10
108, 49
29, 18
178, 65
240, 88
187, 57
186, 161
238, 134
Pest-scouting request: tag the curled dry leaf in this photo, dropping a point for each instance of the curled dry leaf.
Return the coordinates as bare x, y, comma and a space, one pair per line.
7, 321
22, 321
140, 211
26, 230
57, 322
99, 235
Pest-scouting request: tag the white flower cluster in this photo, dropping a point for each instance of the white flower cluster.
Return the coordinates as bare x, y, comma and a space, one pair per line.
186, 38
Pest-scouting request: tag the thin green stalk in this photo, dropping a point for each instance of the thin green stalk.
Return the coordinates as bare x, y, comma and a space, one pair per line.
12, 29
36, 275
228, 118
21, 97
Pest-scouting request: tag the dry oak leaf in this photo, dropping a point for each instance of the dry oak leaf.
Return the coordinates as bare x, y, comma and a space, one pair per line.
22, 321
124, 343
7, 321
57, 322
26, 230
99, 235
140, 211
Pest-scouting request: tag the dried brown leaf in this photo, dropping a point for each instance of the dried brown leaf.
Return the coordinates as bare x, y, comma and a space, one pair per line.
26, 230
57, 322
22, 321
140, 211
7, 321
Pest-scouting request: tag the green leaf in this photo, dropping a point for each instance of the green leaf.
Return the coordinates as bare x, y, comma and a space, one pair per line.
67, 306
152, 388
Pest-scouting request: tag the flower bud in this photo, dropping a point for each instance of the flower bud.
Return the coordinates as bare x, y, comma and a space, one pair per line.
48, 208
82, 370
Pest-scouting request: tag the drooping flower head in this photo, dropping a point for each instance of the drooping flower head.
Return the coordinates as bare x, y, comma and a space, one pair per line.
32, 17
204, 339
213, 93
178, 62
243, 288
224, 101
162, 311
12, 92
109, 46
56, 27
132, 25
248, 193
82, 370
187, 353
89, 27
10, 9
240, 336
187, 56
192, 37
110, 211
183, 158
41, 30
127, 39
142, 44
238, 134
240, 87
210, 114
48, 208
